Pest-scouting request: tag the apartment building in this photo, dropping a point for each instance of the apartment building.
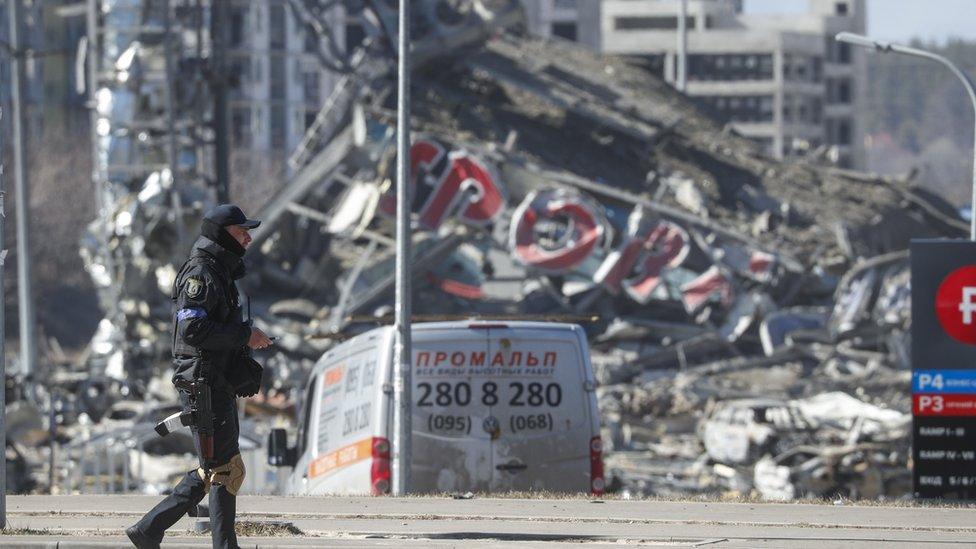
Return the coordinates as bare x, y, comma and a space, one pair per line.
779, 79
277, 83
548, 18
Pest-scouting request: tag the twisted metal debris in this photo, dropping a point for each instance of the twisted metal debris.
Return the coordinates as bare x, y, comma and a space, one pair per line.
734, 304
149, 136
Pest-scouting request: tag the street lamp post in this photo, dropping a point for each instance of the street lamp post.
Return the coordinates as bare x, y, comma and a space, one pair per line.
884, 47
402, 353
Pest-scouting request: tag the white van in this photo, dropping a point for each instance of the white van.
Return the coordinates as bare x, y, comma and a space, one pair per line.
497, 407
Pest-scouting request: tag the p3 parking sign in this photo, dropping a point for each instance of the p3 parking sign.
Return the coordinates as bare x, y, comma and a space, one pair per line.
944, 368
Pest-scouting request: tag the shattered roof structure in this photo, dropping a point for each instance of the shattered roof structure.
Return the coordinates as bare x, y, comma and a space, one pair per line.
553, 181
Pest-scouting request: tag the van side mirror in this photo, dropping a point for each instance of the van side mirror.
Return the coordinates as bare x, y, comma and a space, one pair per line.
279, 454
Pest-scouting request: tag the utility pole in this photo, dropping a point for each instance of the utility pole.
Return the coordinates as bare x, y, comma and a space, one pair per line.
172, 147
3, 361
218, 85
681, 61
25, 300
402, 352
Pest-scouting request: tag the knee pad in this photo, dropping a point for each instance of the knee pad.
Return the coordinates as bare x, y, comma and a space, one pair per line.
230, 474
202, 473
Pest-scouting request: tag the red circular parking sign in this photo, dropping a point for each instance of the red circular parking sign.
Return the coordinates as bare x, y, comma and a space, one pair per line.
955, 304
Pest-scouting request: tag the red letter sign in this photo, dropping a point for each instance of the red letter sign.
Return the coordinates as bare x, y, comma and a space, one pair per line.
650, 249
464, 184
579, 226
955, 305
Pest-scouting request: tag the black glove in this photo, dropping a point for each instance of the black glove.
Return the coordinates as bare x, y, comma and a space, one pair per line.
248, 380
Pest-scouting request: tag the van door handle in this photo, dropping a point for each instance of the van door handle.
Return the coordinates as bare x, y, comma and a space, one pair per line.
511, 467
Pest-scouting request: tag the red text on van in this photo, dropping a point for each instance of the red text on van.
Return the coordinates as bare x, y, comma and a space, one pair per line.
483, 358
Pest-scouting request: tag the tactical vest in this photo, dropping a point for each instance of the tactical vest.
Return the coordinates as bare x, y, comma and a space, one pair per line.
229, 306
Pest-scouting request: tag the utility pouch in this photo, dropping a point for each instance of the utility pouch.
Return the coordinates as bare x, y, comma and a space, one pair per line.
247, 376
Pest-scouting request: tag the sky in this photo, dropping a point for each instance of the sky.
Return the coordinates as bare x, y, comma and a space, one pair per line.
899, 20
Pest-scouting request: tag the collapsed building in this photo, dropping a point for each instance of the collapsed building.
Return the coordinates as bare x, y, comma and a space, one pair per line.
749, 319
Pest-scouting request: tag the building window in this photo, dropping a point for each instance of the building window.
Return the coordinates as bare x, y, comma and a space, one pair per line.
565, 4
277, 78
277, 127
838, 131
844, 91
839, 91
837, 52
729, 67
844, 132
257, 72
843, 53
816, 110
311, 87
741, 108
277, 29
841, 8
310, 119
238, 22
298, 122
564, 30
800, 68
311, 42
239, 71
650, 23
355, 35
240, 121
787, 108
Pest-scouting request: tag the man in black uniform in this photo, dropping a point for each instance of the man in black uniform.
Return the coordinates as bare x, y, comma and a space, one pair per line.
210, 340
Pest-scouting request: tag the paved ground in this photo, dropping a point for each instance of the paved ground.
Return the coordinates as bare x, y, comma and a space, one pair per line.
97, 521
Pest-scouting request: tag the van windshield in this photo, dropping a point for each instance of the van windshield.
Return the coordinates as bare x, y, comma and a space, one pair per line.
307, 415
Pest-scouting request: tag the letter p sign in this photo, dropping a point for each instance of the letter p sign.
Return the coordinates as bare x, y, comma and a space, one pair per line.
955, 305
967, 306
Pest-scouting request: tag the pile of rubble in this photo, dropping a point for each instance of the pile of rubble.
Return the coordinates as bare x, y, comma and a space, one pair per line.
749, 319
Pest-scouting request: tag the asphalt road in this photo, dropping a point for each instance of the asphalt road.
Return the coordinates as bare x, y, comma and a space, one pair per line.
98, 521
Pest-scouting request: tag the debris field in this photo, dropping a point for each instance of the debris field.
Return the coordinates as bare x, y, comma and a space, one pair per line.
749, 319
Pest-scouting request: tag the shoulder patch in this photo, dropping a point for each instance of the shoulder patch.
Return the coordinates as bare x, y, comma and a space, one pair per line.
194, 286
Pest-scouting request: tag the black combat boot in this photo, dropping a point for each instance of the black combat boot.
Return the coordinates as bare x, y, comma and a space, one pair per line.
150, 529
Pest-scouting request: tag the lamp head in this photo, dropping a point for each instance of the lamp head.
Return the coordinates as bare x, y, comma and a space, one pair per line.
863, 41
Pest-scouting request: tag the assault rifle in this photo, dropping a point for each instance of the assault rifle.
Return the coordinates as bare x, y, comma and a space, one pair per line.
200, 415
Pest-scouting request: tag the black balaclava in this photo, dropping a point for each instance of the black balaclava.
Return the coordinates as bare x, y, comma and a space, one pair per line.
220, 235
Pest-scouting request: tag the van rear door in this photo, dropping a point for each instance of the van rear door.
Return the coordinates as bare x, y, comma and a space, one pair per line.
451, 445
543, 411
